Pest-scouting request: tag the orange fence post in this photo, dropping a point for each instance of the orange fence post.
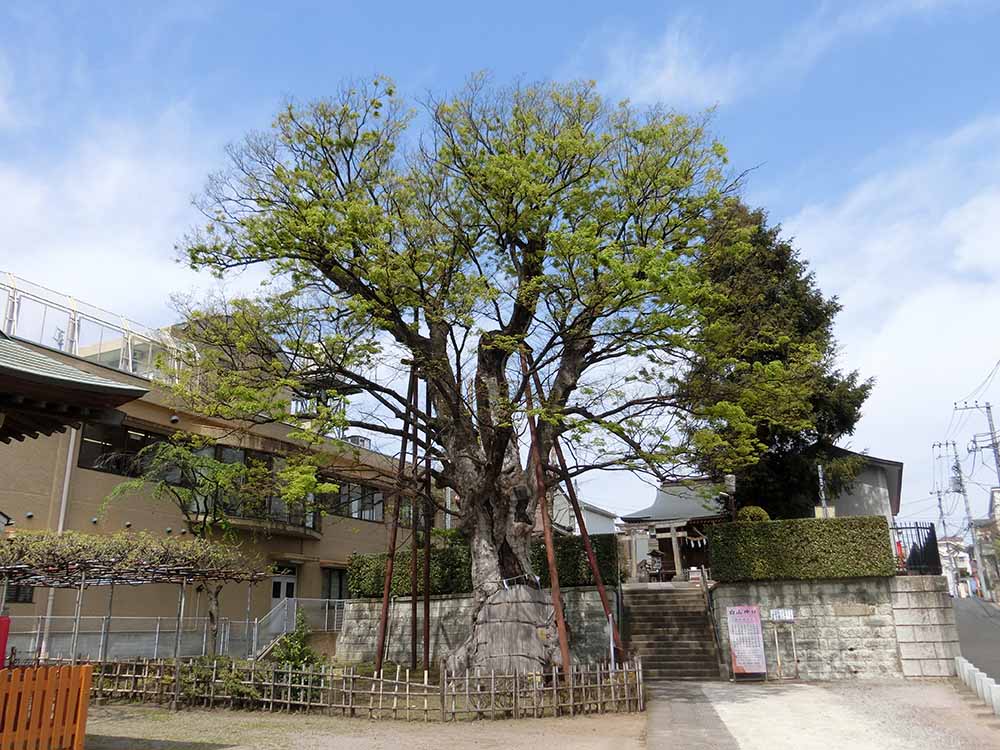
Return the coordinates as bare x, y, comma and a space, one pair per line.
44, 707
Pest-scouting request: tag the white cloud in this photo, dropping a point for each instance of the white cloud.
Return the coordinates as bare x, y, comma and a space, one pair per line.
681, 68
913, 254
100, 220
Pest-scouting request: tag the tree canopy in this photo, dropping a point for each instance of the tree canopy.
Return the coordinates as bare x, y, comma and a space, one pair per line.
771, 336
494, 235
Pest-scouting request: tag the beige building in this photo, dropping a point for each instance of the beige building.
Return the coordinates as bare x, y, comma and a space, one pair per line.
63, 481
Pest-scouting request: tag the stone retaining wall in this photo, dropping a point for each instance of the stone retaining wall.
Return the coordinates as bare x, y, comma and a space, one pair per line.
925, 626
451, 617
844, 628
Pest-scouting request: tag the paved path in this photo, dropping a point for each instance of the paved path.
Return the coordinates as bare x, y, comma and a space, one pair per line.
979, 633
860, 715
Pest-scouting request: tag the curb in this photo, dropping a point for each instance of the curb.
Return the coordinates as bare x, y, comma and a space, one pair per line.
976, 680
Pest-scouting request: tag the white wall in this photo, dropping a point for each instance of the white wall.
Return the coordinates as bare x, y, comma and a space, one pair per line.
869, 495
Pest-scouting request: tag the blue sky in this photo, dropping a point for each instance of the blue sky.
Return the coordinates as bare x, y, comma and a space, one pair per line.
873, 132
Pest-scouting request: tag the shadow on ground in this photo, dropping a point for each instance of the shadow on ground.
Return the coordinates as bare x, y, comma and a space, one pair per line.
110, 742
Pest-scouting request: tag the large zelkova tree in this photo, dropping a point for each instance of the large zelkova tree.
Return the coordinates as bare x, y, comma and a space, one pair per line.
535, 221
765, 324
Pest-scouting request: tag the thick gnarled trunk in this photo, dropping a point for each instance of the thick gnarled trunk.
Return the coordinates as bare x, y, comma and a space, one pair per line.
513, 621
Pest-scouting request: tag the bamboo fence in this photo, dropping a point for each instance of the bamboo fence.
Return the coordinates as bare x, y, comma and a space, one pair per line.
394, 693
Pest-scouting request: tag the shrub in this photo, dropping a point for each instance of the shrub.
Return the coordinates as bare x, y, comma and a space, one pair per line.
451, 566
752, 514
800, 549
293, 648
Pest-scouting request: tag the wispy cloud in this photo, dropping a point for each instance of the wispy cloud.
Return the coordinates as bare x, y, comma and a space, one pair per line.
681, 67
912, 253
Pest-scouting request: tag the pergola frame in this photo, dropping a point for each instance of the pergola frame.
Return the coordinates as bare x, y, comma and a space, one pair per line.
74, 560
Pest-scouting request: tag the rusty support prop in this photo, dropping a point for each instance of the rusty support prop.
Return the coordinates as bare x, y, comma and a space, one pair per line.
584, 534
394, 523
428, 525
550, 554
414, 526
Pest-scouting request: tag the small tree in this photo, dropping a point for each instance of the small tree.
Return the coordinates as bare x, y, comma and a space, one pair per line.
184, 472
293, 648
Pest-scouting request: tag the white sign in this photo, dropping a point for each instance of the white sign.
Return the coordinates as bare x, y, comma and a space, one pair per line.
746, 640
783, 615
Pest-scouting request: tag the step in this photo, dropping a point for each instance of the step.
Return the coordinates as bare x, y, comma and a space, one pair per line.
666, 607
648, 639
696, 599
671, 630
666, 616
654, 675
683, 652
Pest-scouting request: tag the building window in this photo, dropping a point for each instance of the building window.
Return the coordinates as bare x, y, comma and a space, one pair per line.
359, 501
335, 583
20, 594
113, 448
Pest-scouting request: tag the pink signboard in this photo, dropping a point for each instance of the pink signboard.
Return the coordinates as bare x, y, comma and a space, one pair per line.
746, 641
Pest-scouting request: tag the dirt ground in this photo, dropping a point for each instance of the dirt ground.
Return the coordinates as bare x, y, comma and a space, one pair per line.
142, 728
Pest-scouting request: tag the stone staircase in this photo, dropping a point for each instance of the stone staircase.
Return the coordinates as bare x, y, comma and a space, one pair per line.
668, 626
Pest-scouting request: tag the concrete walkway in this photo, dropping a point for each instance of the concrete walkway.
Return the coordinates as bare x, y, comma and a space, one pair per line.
889, 715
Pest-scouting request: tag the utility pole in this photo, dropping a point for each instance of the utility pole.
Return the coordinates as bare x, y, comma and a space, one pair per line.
977, 552
947, 544
994, 443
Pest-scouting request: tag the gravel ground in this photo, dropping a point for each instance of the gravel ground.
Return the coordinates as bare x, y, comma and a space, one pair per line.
862, 715
142, 728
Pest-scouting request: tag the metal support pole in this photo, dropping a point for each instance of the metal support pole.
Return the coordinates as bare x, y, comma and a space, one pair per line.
76, 615
581, 523
177, 647
415, 516
550, 555
246, 625
156, 640
394, 523
3, 595
106, 625
428, 525
204, 639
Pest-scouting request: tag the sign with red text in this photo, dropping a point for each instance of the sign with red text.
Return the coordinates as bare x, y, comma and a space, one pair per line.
746, 641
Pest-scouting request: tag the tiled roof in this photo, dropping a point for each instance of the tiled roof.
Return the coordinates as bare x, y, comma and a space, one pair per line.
21, 361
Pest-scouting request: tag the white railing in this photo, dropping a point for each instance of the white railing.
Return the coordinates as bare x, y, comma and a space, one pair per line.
124, 637
35, 313
319, 614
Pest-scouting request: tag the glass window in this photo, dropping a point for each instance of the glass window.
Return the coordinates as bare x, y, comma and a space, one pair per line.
101, 447
19, 594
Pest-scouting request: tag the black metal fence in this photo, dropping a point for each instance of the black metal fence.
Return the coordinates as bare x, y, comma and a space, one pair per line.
916, 549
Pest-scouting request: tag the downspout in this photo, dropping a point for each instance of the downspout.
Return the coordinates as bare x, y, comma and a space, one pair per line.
60, 527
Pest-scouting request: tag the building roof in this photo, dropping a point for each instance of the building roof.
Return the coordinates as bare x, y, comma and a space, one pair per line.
680, 501
598, 510
41, 395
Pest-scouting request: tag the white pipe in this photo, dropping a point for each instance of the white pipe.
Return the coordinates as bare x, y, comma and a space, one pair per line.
60, 527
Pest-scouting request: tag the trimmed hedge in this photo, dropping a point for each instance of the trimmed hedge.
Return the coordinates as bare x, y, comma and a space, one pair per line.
801, 549
451, 566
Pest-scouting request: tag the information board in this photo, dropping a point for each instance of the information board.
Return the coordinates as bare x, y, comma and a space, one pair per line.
746, 641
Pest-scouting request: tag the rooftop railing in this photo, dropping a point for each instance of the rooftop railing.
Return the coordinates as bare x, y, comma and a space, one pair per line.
34, 313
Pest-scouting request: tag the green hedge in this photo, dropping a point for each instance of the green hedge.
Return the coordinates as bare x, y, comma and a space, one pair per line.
451, 566
800, 549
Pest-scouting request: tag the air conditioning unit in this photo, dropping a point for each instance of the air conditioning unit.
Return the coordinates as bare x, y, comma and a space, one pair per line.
359, 440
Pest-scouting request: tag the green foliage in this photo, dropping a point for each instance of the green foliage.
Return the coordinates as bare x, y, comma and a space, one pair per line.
451, 566
135, 556
293, 648
770, 349
751, 514
801, 549
572, 563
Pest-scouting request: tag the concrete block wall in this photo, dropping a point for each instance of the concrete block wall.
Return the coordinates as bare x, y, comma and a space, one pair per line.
844, 628
451, 617
925, 626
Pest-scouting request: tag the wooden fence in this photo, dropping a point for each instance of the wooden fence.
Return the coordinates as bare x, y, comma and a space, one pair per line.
44, 708
396, 693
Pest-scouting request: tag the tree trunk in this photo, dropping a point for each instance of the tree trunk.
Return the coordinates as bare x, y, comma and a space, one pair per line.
213, 592
513, 622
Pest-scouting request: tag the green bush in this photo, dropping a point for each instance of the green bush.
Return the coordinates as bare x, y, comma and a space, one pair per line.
293, 648
751, 514
451, 566
803, 548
